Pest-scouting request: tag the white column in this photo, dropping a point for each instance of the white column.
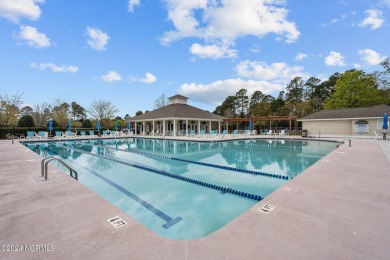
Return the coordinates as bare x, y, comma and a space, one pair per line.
174, 127
209, 126
198, 126
187, 127
143, 127
163, 133
135, 128
219, 127
153, 128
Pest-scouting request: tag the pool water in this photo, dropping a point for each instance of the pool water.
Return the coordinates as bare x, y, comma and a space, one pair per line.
185, 190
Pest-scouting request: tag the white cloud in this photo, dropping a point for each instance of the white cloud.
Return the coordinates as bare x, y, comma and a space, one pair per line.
97, 39
111, 76
212, 51
371, 57
385, 3
54, 68
300, 56
149, 78
132, 4
335, 59
374, 19
222, 22
278, 72
33, 37
216, 92
14, 10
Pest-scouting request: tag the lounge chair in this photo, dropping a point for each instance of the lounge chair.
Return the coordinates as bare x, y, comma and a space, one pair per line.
246, 133
212, 133
104, 133
270, 132
282, 132
59, 134
70, 134
235, 132
31, 135
224, 133
83, 134
191, 133
92, 133
201, 133
42, 134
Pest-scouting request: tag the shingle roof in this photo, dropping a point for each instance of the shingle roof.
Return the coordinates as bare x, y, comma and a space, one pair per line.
360, 112
178, 96
178, 111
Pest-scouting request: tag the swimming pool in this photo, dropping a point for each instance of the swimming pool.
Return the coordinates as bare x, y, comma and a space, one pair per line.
185, 190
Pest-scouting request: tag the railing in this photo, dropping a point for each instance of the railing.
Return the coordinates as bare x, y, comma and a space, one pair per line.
51, 158
339, 143
13, 137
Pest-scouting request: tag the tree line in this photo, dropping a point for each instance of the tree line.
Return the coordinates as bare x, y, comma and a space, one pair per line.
353, 88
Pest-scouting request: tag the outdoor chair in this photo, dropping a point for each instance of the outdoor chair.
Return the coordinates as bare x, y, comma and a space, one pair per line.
92, 133
235, 132
246, 133
224, 133
191, 133
31, 135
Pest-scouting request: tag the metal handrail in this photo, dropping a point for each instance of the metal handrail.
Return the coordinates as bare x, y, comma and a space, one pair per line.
13, 137
339, 143
51, 158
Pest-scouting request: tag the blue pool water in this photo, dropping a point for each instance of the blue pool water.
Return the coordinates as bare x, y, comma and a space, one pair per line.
185, 190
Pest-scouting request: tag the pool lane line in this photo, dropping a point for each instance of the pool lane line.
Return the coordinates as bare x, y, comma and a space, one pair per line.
276, 176
175, 176
169, 221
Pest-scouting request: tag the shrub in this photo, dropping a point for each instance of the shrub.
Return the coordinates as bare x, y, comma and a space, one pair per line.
26, 121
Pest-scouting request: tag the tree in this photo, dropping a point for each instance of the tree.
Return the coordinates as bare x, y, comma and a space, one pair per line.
9, 108
242, 102
103, 110
87, 123
138, 113
41, 113
226, 109
354, 88
26, 121
60, 112
162, 101
295, 90
27, 110
78, 112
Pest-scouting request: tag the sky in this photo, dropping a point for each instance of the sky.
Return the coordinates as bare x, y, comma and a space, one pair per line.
131, 52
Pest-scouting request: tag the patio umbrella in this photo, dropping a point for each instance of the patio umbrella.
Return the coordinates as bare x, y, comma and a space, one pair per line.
128, 125
250, 125
385, 119
50, 125
69, 125
116, 125
98, 125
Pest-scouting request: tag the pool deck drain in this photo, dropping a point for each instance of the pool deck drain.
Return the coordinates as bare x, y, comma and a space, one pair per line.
338, 208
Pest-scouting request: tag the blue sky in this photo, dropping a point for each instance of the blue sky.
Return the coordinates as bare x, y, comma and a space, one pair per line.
130, 52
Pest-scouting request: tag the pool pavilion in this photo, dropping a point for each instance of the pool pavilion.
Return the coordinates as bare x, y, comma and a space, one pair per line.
177, 118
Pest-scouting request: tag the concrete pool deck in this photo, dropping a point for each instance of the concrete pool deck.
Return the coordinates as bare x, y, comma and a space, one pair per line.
339, 208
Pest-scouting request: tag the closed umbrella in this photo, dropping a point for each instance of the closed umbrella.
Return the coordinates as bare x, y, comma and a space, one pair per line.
385, 119
116, 125
98, 125
250, 125
50, 125
69, 125
128, 125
